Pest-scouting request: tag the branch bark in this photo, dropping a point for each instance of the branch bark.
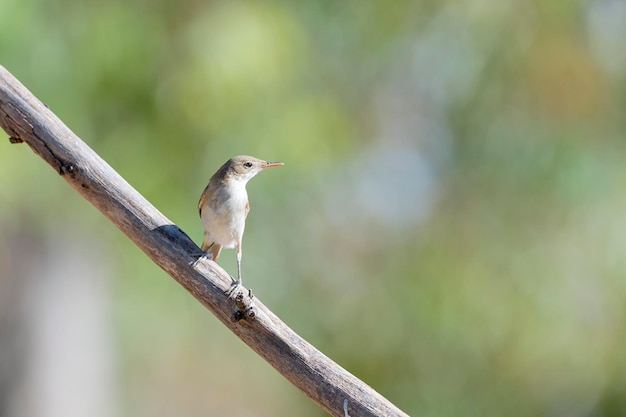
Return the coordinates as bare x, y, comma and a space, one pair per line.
26, 119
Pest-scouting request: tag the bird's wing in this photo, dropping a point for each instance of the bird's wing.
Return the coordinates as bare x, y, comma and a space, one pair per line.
203, 198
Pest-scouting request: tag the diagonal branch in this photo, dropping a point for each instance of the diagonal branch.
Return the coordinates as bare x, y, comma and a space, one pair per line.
27, 120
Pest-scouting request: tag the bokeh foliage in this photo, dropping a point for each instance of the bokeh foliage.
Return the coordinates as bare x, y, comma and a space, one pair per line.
449, 222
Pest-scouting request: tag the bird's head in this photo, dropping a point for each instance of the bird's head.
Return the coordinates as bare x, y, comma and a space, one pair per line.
244, 167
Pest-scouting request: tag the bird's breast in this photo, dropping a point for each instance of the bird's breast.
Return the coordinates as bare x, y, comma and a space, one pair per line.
224, 215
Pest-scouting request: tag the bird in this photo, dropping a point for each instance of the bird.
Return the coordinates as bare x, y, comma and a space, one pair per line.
224, 206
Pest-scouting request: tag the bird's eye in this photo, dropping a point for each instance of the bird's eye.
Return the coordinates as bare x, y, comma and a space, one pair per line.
247, 164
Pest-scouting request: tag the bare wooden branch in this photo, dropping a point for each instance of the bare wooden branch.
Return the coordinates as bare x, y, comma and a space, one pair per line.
26, 119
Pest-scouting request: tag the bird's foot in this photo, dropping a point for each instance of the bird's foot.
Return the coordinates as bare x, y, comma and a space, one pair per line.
234, 289
199, 257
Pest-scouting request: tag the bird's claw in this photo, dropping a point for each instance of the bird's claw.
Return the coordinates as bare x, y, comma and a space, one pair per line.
234, 289
234, 292
199, 256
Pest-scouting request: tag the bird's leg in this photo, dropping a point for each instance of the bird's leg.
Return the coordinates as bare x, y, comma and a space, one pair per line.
236, 285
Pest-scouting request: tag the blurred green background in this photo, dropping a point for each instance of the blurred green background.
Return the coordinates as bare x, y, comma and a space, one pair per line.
449, 223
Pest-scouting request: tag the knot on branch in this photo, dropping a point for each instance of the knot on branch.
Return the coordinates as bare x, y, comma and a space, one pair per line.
244, 307
67, 169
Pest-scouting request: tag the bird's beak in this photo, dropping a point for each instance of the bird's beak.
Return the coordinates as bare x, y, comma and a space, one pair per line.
272, 164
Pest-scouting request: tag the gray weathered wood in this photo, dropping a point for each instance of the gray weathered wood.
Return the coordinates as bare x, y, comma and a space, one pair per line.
26, 119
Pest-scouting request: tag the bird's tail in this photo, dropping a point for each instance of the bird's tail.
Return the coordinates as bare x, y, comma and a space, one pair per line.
213, 248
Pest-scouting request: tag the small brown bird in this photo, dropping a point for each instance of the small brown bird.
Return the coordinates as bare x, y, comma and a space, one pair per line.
224, 206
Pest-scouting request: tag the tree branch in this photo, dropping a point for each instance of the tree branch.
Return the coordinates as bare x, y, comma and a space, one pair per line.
26, 119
